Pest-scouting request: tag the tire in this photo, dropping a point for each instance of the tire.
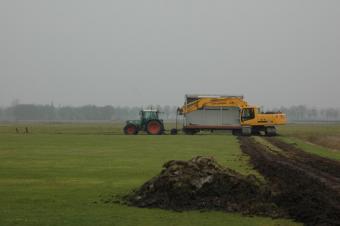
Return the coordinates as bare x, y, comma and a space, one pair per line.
173, 131
154, 127
256, 131
130, 129
236, 132
270, 131
190, 131
246, 131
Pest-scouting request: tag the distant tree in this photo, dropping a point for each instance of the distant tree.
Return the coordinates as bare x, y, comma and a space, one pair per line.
173, 112
167, 111
2, 112
331, 114
312, 113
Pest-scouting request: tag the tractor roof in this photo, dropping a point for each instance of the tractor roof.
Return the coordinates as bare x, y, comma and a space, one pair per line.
150, 110
212, 96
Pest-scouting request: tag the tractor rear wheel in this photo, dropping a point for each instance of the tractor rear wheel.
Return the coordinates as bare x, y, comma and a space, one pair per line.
154, 127
130, 129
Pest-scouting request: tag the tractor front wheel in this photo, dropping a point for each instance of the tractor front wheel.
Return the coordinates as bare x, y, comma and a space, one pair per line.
130, 129
154, 127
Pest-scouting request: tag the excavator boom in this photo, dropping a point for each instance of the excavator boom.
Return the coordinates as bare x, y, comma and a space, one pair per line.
196, 102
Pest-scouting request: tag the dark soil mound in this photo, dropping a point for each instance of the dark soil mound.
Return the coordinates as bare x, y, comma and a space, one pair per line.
201, 183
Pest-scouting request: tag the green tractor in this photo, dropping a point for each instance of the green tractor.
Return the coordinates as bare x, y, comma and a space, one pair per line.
149, 122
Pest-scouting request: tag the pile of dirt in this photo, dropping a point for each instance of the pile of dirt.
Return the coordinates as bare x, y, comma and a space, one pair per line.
201, 183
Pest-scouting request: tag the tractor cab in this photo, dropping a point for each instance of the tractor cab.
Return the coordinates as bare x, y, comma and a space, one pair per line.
149, 122
149, 114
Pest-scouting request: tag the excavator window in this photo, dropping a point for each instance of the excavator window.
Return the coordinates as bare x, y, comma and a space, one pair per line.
247, 114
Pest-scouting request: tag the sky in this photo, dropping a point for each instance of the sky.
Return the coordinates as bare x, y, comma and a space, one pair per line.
134, 53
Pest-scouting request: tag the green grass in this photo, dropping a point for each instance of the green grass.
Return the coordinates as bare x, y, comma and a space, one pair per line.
319, 139
313, 148
58, 174
303, 129
63, 128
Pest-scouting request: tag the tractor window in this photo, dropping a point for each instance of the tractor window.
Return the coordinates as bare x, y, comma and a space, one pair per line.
248, 114
150, 115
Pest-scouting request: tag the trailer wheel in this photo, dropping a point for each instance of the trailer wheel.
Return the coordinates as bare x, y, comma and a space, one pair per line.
173, 131
190, 131
130, 129
236, 132
154, 127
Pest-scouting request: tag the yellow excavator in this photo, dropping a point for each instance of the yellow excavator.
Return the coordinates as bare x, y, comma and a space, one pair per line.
224, 112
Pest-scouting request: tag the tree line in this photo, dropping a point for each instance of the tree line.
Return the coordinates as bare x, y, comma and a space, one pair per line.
33, 112
303, 113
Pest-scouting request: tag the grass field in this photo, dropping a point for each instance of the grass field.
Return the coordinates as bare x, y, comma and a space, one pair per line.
59, 173
320, 139
326, 135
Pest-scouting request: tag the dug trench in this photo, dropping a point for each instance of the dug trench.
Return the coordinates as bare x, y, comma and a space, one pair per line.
317, 163
305, 185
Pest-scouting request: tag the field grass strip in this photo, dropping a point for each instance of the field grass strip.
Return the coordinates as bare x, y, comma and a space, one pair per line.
312, 148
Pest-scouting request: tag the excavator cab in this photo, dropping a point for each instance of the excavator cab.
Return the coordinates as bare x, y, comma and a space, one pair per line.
265, 122
248, 114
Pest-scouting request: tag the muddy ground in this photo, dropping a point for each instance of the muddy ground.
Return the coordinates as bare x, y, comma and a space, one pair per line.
305, 185
318, 163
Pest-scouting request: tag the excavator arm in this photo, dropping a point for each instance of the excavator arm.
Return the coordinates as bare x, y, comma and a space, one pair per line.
211, 101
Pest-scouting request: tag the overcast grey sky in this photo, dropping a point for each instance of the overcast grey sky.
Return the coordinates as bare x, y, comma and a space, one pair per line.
138, 52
